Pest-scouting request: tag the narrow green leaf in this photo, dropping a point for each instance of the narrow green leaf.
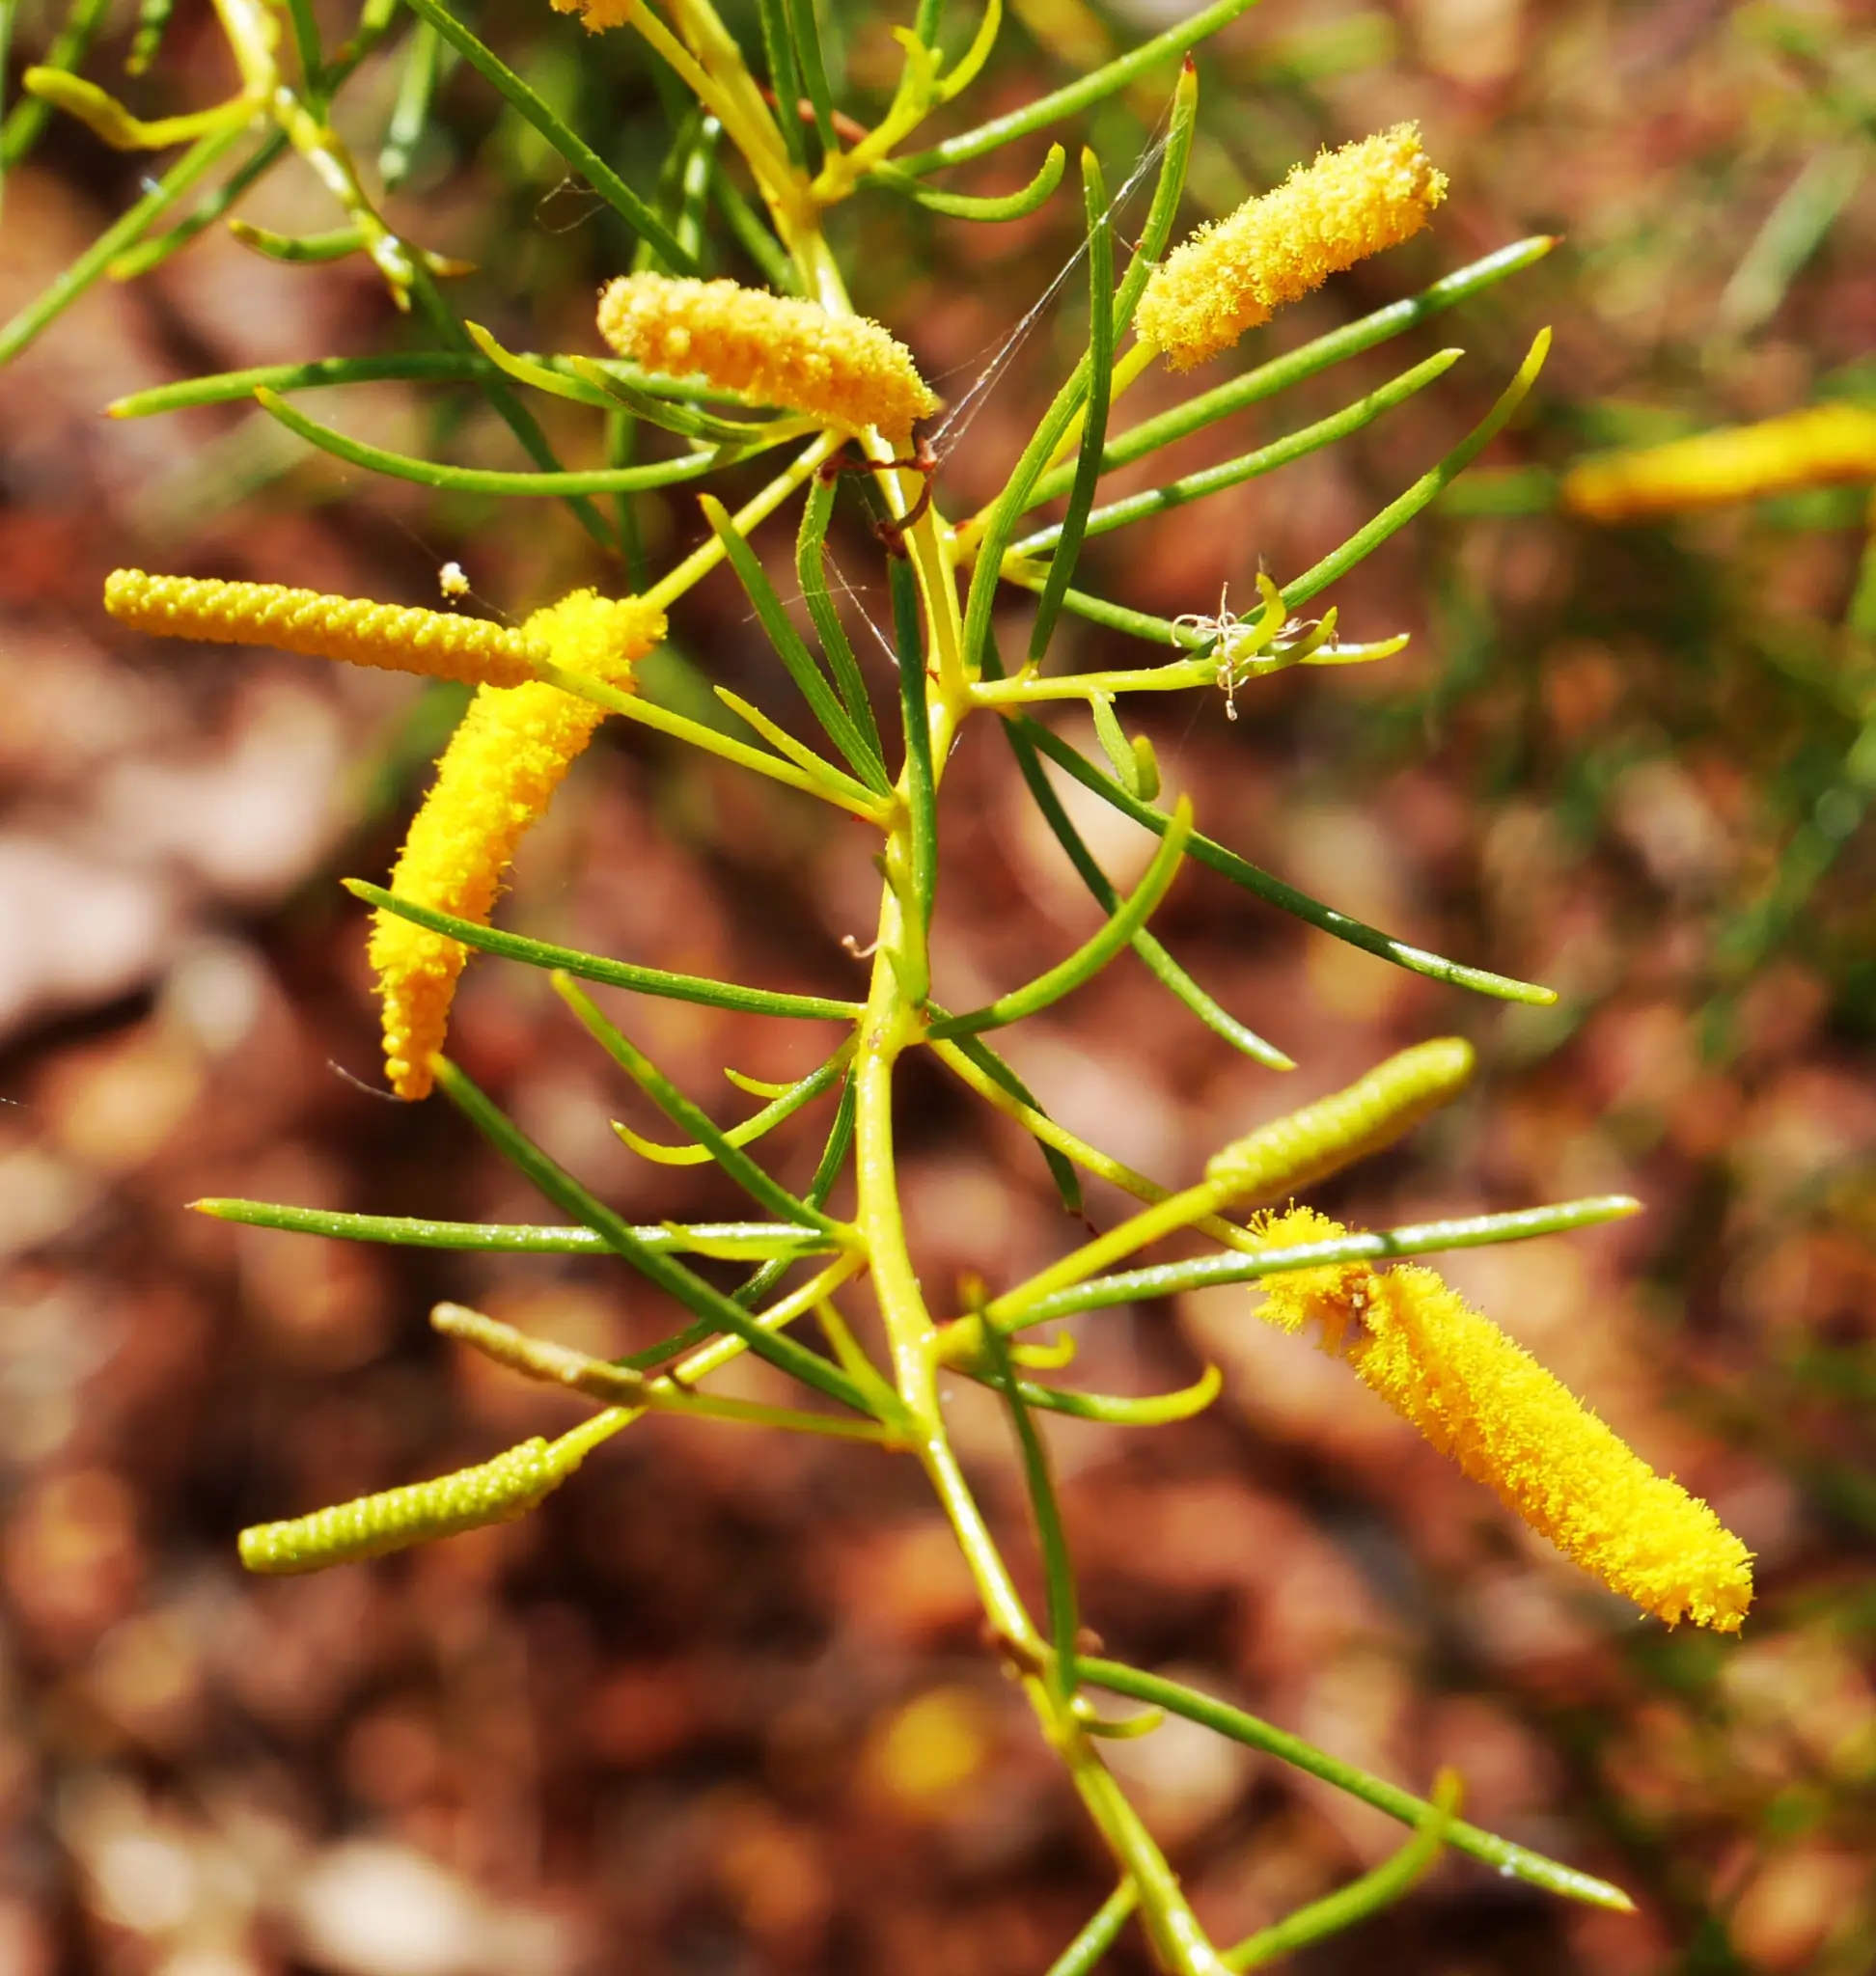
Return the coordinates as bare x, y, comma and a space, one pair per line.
410, 113
1516, 1862
752, 1239
963, 205
540, 953
806, 29
840, 786
1062, 1169
1118, 1410
298, 248
26, 120
1077, 95
778, 46
1255, 879
920, 782
1248, 466
721, 1312
1400, 511
402, 466
810, 573
1165, 969
64, 287
754, 234
1095, 408
1375, 1890
745, 1171
1095, 953
1057, 1567
139, 259
836, 721
1319, 355
1100, 1932
839, 1139
578, 154
782, 1105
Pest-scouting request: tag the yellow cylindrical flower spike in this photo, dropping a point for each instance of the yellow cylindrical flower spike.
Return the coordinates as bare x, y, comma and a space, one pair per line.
498, 775
1236, 273
841, 369
1489, 1405
1818, 447
395, 638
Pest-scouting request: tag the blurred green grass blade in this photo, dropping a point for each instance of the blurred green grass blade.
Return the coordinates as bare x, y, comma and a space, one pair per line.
153, 24
777, 46
860, 755
1793, 230
25, 123
138, 259
964, 205
539, 953
1317, 355
746, 1173
403, 466
1099, 1934
1093, 410
810, 573
1248, 466
579, 155
64, 287
1093, 954
407, 1231
1400, 511
1052, 1540
1515, 1862
311, 56
1076, 96
1416, 1238
804, 26
1165, 969
1062, 1169
753, 234
719, 1311
1362, 1899
410, 113
1256, 880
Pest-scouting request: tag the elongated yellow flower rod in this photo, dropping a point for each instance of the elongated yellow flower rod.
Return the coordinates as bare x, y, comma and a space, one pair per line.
1821, 447
1489, 1405
394, 637
497, 775
841, 369
1237, 272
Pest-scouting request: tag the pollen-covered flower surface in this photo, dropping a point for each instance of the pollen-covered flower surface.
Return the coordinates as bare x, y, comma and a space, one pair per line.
498, 773
841, 369
1236, 273
1821, 447
392, 637
1506, 1422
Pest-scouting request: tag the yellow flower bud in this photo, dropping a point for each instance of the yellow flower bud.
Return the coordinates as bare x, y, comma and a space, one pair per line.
395, 638
841, 370
1236, 273
1816, 447
498, 773
1506, 1422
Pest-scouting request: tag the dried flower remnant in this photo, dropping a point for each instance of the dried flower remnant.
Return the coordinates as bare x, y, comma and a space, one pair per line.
392, 637
843, 370
1821, 447
1236, 273
497, 775
1486, 1403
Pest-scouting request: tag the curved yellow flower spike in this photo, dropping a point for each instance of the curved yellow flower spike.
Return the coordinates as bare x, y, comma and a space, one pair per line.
1236, 273
1486, 1403
1817, 448
392, 637
841, 369
498, 773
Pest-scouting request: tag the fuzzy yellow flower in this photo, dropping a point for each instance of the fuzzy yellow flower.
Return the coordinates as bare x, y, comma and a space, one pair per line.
1506, 1422
393, 637
1236, 273
1818, 447
841, 369
498, 773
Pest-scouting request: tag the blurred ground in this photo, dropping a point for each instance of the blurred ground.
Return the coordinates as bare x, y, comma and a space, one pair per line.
721, 1704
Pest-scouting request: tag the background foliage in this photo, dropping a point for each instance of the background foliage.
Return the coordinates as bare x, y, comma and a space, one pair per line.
724, 1703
